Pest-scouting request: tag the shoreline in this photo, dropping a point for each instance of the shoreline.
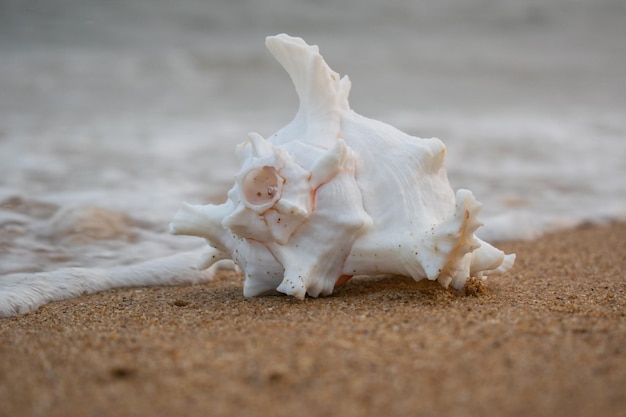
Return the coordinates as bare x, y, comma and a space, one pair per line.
547, 338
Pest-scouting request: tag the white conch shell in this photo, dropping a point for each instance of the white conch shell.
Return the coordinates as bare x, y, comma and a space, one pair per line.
334, 194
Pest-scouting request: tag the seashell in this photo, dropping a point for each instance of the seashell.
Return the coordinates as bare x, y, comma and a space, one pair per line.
334, 194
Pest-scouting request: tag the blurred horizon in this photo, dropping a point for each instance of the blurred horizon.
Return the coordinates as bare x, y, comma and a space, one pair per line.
449, 53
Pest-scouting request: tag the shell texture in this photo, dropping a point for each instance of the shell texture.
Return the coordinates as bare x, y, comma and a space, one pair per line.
334, 194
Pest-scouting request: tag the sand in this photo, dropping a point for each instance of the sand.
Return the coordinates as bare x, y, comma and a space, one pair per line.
546, 339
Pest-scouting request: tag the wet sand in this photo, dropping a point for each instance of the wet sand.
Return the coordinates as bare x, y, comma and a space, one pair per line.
546, 339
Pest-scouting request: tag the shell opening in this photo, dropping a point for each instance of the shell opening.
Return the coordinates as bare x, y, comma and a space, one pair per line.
261, 186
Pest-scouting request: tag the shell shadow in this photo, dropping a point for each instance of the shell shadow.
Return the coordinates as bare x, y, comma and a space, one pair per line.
399, 288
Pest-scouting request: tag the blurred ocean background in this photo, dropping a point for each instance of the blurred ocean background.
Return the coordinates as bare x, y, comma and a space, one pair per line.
114, 112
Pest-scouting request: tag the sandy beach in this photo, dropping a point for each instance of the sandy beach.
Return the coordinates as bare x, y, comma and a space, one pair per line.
546, 339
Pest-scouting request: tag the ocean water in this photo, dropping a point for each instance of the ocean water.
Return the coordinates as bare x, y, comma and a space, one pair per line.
113, 113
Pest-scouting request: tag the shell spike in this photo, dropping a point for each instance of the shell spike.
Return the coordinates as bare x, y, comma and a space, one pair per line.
330, 163
260, 147
204, 221
321, 95
344, 89
210, 257
315, 82
452, 240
